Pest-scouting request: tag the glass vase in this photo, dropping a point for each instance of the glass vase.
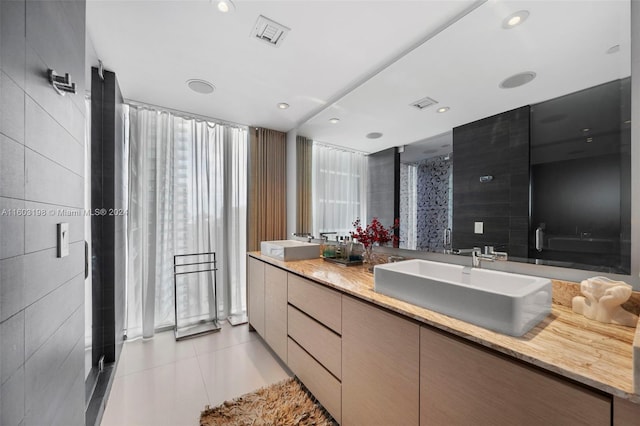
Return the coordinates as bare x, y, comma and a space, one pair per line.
369, 258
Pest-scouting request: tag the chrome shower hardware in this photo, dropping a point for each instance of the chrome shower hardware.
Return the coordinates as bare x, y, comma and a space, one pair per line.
60, 84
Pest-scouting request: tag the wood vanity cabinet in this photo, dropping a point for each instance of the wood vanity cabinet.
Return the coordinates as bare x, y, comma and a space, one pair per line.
369, 366
380, 366
315, 344
267, 307
275, 310
462, 384
255, 296
324, 344
625, 413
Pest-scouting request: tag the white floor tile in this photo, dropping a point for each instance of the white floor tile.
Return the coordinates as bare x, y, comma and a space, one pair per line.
164, 382
227, 337
172, 394
234, 371
162, 349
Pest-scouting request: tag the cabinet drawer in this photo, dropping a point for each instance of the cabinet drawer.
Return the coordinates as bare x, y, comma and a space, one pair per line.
318, 302
461, 384
321, 383
625, 413
319, 341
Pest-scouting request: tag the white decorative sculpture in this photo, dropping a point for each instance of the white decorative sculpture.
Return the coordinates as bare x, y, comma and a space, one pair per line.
602, 300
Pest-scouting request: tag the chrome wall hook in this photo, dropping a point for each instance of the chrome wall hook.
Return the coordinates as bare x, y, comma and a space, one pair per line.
61, 84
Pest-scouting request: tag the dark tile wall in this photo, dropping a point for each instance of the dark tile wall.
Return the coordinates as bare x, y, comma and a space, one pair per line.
383, 187
497, 146
41, 170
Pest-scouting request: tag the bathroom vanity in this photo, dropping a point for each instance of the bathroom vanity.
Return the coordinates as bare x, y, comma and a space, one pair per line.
373, 359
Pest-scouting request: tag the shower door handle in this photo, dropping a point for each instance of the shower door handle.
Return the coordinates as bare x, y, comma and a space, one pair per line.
539, 239
447, 237
86, 259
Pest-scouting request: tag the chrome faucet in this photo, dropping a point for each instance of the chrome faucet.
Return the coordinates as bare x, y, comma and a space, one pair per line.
324, 234
490, 255
306, 235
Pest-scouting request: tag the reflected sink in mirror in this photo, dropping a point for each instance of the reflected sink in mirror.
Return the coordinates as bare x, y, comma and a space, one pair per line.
287, 250
507, 303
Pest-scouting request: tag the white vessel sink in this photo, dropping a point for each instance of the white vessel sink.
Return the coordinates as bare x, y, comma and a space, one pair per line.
500, 301
290, 250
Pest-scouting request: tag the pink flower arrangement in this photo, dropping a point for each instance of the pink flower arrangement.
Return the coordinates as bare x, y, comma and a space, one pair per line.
374, 232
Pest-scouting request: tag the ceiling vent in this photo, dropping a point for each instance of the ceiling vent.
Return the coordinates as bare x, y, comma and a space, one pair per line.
424, 103
269, 31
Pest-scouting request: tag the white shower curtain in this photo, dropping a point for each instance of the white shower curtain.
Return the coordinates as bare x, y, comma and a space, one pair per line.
339, 188
187, 194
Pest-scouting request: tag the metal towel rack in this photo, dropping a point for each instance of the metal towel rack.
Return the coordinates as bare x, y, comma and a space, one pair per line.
191, 261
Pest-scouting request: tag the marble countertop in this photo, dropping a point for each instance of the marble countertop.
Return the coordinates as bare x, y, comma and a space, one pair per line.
595, 354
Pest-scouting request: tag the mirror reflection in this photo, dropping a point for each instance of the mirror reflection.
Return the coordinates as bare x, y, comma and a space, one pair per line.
548, 183
521, 141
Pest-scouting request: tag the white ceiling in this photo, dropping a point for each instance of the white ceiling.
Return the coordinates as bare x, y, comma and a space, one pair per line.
564, 42
362, 61
156, 46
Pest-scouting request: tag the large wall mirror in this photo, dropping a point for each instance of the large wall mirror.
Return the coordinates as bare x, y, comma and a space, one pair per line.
514, 127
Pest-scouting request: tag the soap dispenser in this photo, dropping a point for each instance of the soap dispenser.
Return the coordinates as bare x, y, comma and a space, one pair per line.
329, 249
339, 246
346, 254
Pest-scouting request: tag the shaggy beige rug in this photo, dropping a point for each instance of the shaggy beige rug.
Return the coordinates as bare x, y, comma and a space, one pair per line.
284, 403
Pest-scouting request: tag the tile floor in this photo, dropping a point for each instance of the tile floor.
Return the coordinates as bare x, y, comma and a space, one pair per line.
164, 382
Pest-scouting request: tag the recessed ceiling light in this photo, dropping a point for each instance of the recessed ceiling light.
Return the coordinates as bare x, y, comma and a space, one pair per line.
374, 135
443, 109
517, 80
585, 130
589, 140
334, 120
515, 19
225, 6
283, 105
200, 86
